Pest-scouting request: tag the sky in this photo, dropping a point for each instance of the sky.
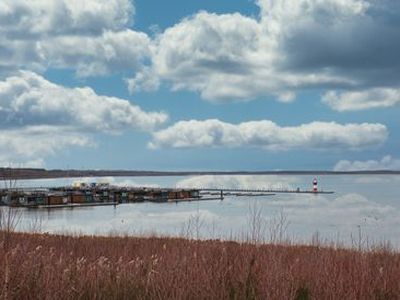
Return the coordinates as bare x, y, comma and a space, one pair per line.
200, 85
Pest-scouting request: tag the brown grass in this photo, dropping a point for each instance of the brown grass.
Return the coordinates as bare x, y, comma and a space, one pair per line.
41, 266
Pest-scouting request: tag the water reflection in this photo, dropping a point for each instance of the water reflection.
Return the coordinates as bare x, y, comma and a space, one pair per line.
360, 203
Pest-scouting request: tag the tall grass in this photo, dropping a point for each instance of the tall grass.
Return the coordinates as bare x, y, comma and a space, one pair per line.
263, 265
46, 266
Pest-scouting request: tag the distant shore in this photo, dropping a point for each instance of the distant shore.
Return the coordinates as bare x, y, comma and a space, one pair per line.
32, 173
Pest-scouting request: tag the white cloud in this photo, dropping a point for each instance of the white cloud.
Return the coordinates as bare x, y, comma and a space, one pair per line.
106, 53
55, 17
39, 118
386, 163
29, 145
92, 37
205, 50
360, 100
268, 135
227, 57
145, 80
123, 51
283, 11
29, 99
292, 45
8, 162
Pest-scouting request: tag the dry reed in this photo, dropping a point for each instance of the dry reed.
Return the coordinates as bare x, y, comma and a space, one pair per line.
43, 266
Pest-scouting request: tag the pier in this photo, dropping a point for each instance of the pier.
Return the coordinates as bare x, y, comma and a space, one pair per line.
267, 192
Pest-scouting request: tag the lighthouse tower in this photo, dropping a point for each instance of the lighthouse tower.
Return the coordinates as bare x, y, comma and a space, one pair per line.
315, 185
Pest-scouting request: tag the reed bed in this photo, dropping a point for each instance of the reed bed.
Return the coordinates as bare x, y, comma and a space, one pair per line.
43, 266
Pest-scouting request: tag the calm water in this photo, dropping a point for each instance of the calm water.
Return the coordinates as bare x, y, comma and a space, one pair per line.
366, 206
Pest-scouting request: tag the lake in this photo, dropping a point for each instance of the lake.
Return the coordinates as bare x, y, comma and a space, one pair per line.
364, 209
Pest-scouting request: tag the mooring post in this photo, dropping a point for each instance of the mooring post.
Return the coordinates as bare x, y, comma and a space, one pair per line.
222, 195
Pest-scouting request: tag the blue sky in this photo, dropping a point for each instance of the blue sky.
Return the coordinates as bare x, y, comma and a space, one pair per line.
200, 85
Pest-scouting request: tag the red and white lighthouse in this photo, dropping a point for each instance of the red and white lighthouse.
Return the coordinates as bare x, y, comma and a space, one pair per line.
315, 185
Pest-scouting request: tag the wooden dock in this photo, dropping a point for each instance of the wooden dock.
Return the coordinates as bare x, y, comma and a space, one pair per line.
266, 192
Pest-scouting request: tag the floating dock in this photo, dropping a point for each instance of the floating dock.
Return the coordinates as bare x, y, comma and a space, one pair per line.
93, 195
82, 194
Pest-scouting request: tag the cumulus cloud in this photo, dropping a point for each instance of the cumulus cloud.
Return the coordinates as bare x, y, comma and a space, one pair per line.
123, 51
270, 136
386, 163
29, 145
92, 37
145, 80
50, 17
292, 45
207, 49
29, 99
335, 45
225, 57
360, 100
39, 118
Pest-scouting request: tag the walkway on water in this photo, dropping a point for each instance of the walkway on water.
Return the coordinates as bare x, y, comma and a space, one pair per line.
265, 191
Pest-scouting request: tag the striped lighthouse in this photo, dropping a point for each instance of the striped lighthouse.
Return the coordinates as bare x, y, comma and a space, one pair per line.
315, 185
